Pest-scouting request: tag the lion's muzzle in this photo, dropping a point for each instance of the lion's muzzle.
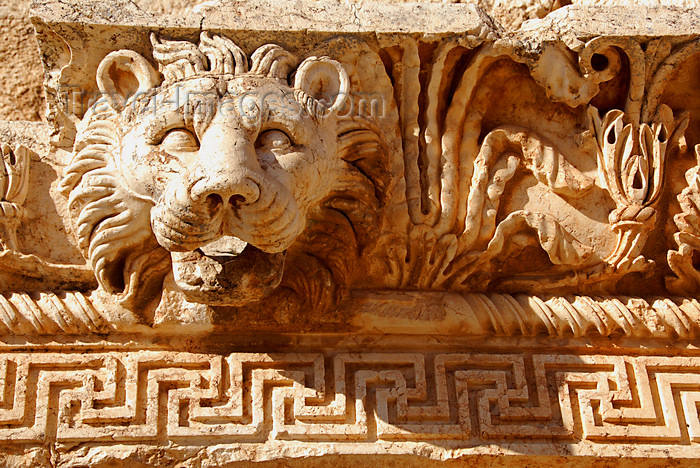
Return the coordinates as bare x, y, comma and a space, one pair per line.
221, 250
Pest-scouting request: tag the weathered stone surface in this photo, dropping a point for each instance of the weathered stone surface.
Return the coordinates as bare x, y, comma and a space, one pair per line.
410, 216
24, 93
308, 232
21, 92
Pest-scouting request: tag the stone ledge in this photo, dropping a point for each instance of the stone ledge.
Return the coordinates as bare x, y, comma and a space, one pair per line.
300, 15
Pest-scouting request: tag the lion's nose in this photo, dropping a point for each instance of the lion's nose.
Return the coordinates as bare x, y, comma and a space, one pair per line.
223, 188
227, 168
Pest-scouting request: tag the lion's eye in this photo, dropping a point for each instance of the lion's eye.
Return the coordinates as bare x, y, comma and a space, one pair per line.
180, 140
273, 139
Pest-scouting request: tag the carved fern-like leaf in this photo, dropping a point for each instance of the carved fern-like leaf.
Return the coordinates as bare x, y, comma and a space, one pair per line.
681, 261
14, 174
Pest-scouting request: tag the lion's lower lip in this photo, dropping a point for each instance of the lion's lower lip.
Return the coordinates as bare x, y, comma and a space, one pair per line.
223, 250
225, 246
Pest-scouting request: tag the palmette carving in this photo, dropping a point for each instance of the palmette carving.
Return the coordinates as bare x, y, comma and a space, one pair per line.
632, 154
633, 173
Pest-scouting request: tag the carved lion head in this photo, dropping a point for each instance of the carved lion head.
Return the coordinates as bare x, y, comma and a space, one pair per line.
226, 177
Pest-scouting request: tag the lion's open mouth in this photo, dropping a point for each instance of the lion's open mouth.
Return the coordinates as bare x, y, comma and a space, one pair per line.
227, 271
225, 249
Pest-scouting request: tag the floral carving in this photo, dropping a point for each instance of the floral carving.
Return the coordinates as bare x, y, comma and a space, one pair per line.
14, 185
483, 166
634, 144
632, 163
349, 230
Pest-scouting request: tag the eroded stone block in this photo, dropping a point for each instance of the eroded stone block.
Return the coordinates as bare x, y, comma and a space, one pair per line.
274, 230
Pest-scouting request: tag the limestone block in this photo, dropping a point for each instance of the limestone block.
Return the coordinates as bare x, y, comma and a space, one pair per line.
305, 232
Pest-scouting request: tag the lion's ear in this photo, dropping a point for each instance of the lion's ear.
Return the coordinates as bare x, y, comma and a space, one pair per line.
122, 74
324, 79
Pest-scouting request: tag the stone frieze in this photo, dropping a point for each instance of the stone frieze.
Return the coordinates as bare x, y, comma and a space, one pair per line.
469, 161
322, 228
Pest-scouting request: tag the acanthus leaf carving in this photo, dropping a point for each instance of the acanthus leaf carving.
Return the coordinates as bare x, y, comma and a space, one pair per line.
683, 261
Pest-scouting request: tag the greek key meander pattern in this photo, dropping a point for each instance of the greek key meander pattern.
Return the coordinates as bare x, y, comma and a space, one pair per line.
152, 396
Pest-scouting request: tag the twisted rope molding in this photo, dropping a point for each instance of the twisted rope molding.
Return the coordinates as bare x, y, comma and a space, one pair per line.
74, 313
523, 314
49, 313
581, 315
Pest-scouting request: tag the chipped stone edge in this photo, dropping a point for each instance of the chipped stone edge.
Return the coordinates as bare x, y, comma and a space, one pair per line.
272, 15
